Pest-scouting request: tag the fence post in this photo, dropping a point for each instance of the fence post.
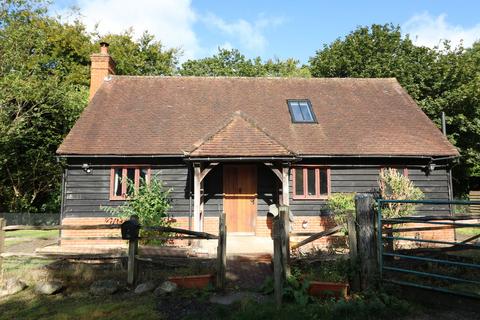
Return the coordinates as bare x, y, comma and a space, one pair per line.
222, 253
353, 249
366, 240
285, 240
132, 267
277, 262
3, 223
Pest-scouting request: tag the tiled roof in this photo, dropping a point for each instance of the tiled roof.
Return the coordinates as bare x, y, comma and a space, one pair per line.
168, 115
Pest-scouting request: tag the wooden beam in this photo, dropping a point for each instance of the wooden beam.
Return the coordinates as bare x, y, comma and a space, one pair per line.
285, 185
275, 170
207, 169
318, 236
197, 225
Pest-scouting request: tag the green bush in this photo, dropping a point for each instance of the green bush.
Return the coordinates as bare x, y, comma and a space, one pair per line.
340, 204
395, 186
150, 203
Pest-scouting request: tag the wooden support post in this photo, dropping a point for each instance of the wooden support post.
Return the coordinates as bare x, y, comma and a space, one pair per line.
196, 197
285, 185
277, 263
353, 250
222, 253
284, 212
132, 267
366, 240
3, 223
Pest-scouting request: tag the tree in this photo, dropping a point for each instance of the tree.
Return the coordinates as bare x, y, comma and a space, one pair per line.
232, 63
438, 80
143, 57
44, 79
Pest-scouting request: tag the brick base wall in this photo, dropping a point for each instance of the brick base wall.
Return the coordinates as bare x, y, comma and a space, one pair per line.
310, 224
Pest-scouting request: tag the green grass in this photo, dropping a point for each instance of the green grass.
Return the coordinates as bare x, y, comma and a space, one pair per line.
27, 305
468, 231
31, 234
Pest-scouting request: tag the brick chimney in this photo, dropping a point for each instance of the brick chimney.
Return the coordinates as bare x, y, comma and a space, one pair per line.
102, 66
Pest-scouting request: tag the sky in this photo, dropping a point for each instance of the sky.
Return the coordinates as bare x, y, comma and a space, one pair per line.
280, 28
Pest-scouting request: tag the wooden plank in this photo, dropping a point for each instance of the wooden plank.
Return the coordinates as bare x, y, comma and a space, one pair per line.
367, 249
132, 270
222, 253
317, 236
285, 239
285, 184
199, 235
63, 227
197, 222
277, 263
353, 249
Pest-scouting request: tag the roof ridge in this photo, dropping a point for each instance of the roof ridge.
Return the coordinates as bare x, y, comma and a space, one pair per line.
242, 115
253, 78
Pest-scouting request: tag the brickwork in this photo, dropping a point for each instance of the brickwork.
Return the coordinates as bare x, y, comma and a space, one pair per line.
91, 233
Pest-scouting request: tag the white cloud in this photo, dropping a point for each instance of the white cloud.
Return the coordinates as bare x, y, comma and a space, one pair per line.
170, 21
249, 34
430, 31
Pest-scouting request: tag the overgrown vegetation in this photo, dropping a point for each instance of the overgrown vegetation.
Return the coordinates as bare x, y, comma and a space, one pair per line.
341, 204
395, 186
150, 203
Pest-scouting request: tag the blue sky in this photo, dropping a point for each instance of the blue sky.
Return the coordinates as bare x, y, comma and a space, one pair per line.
275, 28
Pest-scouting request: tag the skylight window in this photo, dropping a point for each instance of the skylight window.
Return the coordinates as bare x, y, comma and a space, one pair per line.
301, 111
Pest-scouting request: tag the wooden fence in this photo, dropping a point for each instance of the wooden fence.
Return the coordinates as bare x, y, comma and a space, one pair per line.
132, 253
474, 196
361, 226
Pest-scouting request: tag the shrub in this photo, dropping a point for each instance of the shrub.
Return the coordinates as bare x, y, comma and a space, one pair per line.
340, 204
395, 186
150, 203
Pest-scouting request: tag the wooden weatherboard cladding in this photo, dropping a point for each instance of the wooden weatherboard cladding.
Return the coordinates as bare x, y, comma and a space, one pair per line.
311, 182
122, 175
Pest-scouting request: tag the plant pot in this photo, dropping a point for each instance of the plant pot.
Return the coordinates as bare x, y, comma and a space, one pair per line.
192, 282
328, 289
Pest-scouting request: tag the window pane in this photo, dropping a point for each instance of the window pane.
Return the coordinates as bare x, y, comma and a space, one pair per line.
143, 176
297, 113
118, 182
305, 109
299, 182
323, 181
311, 182
130, 181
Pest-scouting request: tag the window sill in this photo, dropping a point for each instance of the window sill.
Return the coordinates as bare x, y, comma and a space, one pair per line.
311, 198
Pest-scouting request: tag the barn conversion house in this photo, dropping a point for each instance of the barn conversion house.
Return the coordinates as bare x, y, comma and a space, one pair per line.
239, 145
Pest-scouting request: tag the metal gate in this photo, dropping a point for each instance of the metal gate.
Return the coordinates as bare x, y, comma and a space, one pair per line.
436, 246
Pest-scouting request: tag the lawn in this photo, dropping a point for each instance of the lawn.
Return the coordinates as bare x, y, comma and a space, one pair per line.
19, 234
27, 305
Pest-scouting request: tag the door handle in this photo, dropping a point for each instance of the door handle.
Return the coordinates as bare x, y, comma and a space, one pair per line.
252, 201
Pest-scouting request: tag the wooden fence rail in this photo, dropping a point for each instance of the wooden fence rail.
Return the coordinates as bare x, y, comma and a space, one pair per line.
132, 253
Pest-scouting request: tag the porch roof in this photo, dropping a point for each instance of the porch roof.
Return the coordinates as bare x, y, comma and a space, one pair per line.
240, 136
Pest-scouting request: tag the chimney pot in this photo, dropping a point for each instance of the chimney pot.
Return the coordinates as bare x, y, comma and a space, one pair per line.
104, 47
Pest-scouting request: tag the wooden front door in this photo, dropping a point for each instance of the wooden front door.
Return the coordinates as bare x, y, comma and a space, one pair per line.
240, 197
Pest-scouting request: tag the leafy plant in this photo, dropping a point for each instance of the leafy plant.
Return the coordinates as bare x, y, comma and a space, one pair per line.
395, 186
150, 203
341, 204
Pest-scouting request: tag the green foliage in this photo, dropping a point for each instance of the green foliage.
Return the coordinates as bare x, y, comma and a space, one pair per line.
234, 64
44, 79
150, 203
370, 306
446, 79
341, 204
395, 186
143, 57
